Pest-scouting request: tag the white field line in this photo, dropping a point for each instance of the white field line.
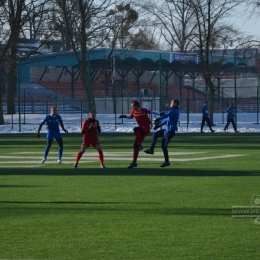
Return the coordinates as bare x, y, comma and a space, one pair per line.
110, 153
86, 159
40, 164
209, 158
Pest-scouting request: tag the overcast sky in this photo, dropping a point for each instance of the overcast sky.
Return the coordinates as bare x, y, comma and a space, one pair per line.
246, 21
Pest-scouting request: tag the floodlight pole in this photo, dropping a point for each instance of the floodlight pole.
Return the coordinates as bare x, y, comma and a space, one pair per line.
257, 99
19, 94
89, 82
160, 82
235, 82
113, 83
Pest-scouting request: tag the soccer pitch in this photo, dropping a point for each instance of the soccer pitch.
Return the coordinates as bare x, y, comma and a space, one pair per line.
184, 211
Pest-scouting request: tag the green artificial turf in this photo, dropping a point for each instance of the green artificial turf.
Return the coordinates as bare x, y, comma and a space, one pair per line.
183, 211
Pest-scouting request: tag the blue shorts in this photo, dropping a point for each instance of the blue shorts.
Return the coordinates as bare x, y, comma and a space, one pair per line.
50, 136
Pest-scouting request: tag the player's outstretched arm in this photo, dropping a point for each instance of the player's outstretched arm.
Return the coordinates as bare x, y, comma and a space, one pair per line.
39, 130
125, 116
155, 112
62, 126
99, 129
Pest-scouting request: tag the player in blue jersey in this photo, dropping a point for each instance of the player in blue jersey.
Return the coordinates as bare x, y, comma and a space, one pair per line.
231, 118
205, 118
52, 121
171, 119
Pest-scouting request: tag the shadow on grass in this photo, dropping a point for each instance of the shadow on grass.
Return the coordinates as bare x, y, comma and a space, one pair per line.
117, 141
169, 171
19, 186
75, 202
115, 207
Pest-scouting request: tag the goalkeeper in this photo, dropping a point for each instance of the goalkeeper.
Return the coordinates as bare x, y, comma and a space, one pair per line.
171, 119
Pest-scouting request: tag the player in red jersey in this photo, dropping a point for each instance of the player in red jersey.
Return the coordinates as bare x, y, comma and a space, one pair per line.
90, 129
144, 125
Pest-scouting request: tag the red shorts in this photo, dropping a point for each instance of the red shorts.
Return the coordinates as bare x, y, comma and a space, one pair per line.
146, 129
90, 142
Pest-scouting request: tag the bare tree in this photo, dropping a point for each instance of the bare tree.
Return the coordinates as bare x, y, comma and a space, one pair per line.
2, 75
175, 22
92, 24
20, 19
14, 16
58, 25
89, 19
37, 18
213, 33
253, 6
248, 44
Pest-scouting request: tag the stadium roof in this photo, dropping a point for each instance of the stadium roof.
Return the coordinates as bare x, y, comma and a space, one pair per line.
126, 59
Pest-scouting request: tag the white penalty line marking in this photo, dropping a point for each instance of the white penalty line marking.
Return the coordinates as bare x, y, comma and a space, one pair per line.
208, 158
52, 160
111, 153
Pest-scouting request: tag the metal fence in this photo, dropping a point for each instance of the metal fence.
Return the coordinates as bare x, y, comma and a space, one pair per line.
36, 99
33, 109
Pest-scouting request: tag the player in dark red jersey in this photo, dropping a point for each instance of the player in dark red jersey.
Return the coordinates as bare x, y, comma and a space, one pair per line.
90, 129
144, 125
